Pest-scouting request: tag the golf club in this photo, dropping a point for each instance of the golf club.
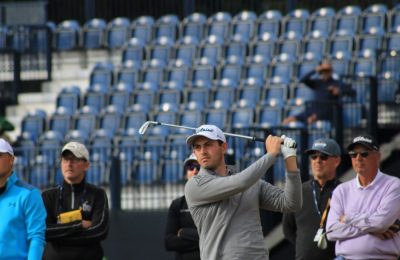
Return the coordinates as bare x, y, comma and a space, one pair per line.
146, 125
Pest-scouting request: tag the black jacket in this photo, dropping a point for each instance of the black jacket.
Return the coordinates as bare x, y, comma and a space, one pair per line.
71, 241
187, 244
300, 227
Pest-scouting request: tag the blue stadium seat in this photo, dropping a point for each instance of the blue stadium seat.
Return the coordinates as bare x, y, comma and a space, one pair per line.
67, 35
152, 74
393, 18
274, 94
142, 28
340, 62
69, 97
102, 73
219, 24
306, 63
101, 150
3, 37
120, 96
167, 26
165, 113
296, 21
365, 64
172, 171
267, 116
235, 48
129, 148
224, 94
352, 115
77, 136
392, 40
249, 94
242, 116
134, 117
390, 62
129, 73
299, 94
145, 98
372, 39
244, 24
186, 49
117, 32
341, 40
263, 45
230, 69
34, 122
133, 50
111, 119
217, 115
25, 149
177, 73
177, 147
290, 44
193, 25
387, 86
191, 118
316, 42
211, 48
97, 172
202, 74
96, 96
374, 16
40, 172
198, 95
348, 18
322, 20
281, 70
256, 68
86, 120
270, 22
94, 33
61, 120
160, 49
50, 144
171, 95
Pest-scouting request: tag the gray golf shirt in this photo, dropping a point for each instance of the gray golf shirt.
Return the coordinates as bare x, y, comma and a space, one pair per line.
226, 209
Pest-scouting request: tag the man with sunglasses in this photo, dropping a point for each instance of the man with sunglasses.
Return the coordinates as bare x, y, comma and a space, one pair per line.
302, 227
364, 214
225, 205
181, 234
77, 211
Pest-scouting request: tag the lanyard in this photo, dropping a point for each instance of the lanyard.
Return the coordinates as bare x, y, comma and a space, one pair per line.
325, 212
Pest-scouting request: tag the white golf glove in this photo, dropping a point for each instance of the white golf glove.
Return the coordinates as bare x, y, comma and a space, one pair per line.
288, 148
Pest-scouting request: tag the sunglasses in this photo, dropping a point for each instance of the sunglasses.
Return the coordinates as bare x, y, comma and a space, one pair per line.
363, 154
191, 167
323, 157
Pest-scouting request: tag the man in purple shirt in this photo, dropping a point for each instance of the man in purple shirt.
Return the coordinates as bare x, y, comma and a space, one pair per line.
364, 211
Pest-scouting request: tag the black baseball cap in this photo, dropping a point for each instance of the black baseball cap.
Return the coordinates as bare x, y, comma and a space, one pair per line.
365, 140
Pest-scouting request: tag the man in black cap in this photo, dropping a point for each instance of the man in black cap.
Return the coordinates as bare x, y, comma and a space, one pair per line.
303, 227
365, 211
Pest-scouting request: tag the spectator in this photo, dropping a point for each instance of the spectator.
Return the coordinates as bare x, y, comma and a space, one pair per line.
181, 233
364, 210
22, 225
300, 228
77, 211
225, 205
325, 88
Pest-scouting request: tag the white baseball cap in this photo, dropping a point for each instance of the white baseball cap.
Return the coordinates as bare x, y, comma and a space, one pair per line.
5, 147
210, 131
77, 149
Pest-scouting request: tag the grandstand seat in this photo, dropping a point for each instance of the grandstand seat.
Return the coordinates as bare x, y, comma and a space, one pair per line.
340, 62
362, 86
40, 172
134, 117
392, 40
177, 73
248, 94
25, 149
306, 63
165, 113
34, 122
101, 149
79, 136
152, 74
144, 97
172, 171
244, 24
67, 35
3, 37
171, 95
61, 120
86, 120
281, 69
97, 173
102, 73
177, 147
202, 74
217, 115
50, 144
120, 96
94, 33
393, 18
167, 26
296, 20
290, 43
224, 94
160, 49
129, 148
390, 62
117, 32
111, 119
374, 16
193, 25
219, 24
198, 95
342, 40
142, 28
96, 96
347, 18
263, 46
133, 50
322, 20
186, 49
69, 97
274, 94
191, 118
300, 94
129, 73
372, 39
146, 171
267, 117
269, 21
256, 68
352, 115
211, 48
235, 48
315, 42
230, 69
365, 64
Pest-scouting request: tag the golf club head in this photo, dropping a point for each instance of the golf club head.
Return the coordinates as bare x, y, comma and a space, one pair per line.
146, 125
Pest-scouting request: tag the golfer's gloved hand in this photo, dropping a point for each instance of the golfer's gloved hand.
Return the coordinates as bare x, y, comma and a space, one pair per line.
288, 148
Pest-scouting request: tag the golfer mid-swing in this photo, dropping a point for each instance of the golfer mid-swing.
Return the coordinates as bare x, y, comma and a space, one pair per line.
225, 204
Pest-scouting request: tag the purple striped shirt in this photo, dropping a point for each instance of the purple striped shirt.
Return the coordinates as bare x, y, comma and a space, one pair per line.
370, 209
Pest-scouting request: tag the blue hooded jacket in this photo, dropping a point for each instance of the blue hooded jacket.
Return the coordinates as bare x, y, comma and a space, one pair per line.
22, 221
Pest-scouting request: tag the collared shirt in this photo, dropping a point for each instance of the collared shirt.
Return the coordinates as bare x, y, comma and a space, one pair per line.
377, 177
368, 210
